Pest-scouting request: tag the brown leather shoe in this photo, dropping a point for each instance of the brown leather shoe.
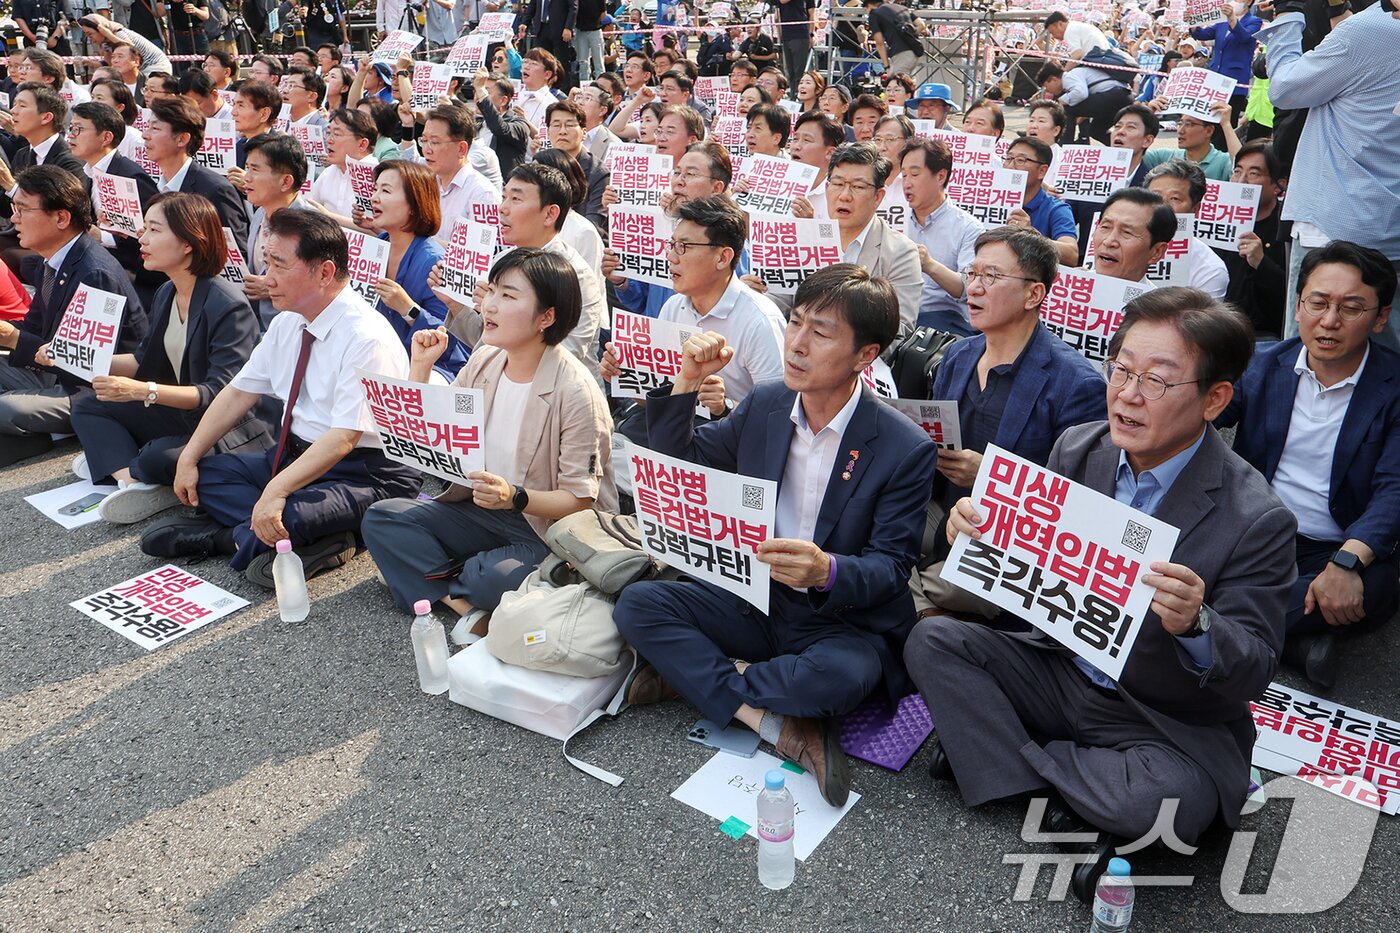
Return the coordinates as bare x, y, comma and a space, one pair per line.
647, 687
815, 744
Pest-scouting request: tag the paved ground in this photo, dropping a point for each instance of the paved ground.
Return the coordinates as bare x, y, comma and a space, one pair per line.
260, 775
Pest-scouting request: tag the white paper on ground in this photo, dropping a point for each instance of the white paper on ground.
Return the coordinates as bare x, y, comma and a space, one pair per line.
728, 785
54, 499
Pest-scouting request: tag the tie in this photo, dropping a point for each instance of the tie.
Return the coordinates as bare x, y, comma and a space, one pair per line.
46, 289
307, 338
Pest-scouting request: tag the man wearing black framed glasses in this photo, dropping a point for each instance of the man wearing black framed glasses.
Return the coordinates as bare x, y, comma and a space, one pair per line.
1042, 211
1319, 416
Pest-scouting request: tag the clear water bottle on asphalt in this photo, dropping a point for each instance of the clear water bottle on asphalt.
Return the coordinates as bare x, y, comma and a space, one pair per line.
1113, 899
776, 862
290, 579
429, 648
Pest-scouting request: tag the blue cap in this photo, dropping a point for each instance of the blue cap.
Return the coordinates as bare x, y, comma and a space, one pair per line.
773, 780
386, 71
934, 91
1119, 867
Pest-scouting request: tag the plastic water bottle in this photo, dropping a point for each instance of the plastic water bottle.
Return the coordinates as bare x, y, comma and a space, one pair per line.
290, 580
429, 648
1113, 899
776, 862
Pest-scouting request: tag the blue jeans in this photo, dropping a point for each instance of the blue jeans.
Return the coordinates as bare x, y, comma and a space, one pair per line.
588, 46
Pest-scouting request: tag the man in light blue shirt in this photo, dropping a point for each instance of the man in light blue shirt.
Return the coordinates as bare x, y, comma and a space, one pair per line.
1345, 183
945, 234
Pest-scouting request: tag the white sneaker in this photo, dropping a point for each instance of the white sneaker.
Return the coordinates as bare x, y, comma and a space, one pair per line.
80, 468
462, 631
137, 501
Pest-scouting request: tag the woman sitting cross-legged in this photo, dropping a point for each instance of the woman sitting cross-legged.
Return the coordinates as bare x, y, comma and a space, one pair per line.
546, 440
136, 421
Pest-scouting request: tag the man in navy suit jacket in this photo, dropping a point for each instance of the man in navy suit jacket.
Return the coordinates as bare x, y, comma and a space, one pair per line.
95, 132
53, 215
853, 476
1016, 385
173, 136
1319, 416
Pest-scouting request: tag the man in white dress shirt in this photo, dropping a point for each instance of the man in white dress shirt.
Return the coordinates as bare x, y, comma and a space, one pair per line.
446, 147
1182, 184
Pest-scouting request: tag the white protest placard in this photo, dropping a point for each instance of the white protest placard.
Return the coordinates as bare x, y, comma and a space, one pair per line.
369, 262
967, 149
495, 27
1202, 13
621, 149
704, 522
939, 420
430, 82
648, 352
708, 87
235, 266
640, 179
784, 252
1174, 268
118, 204
638, 236
313, 143
218, 153
396, 44
1228, 210
53, 503
878, 378
1084, 309
433, 428
988, 194
894, 206
1089, 173
1063, 557
467, 259
159, 606
1193, 91
1323, 741
726, 788
733, 134
727, 105
283, 122
771, 184
361, 172
467, 55
4, 101
87, 335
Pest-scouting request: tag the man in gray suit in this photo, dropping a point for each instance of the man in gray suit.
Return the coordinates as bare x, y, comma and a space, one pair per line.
1019, 714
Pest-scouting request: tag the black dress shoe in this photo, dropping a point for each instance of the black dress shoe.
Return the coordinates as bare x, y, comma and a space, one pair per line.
317, 557
1061, 818
17, 447
938, 767
186, 536
1320, 662
1085, 878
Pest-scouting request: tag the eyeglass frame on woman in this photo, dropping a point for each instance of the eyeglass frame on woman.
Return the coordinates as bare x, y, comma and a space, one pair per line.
1111, 366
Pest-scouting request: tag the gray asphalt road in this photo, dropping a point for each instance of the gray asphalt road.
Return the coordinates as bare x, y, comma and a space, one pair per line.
260, 775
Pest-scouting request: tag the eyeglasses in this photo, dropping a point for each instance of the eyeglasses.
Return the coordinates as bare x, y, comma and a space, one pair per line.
1349, 311
1151, 385
1022, 160
849, 187
989, 279
18, 210
680, 246
889, 140
691, 176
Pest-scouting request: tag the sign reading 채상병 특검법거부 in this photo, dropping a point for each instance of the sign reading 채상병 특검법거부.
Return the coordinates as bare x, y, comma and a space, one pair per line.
433, 428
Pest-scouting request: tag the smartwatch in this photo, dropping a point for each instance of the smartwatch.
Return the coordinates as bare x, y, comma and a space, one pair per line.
520, 500
1202, 624
1347, 561
413, 313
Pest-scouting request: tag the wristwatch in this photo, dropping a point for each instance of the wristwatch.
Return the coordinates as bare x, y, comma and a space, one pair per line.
520, 500
413, 313
1202, 624
1347, 561
151, 388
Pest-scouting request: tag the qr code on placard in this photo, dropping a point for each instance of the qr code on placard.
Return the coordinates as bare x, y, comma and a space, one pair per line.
932, 412
1136, 537
465, 404
753, 497
1247, 193
222, 602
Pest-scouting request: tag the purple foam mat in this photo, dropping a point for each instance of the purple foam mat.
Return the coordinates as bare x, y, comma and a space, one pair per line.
871, 733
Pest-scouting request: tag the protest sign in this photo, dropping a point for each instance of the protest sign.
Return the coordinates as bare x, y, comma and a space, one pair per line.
134, 147
71, 506
1063, 557
772, 184
708, 87
235, 266
369, 262
939, 420
87, 335
1228, 210
988, 194
894, 207
1150, 61
361, 172
1193, 91
313, 143
727, 105
467, 260
784, 252
726, 788
1202, 13
733, 134
1174, 268
118, 204
641, 179
430, 82
967, 150
620, 149
1323, 739
159, 606
395, 45
638, 235
467, 55
496, 27
1089, 173
1084, 309
704, 522
879, 379
433, 428
648, 352
218, 151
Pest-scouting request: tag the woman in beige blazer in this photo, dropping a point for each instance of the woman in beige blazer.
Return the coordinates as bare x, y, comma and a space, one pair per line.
547, 444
